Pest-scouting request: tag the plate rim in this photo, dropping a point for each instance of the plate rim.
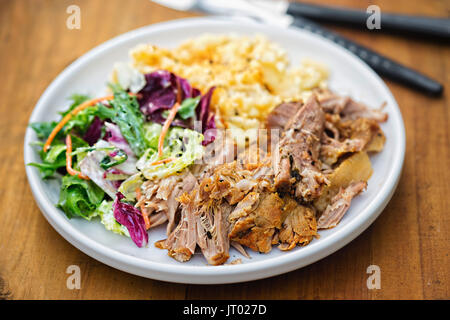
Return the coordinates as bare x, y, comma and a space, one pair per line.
183, 273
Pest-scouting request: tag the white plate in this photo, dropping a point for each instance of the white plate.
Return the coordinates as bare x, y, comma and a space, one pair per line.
90, 73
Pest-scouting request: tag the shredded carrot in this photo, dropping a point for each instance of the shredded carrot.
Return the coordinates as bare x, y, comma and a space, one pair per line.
161, 161
172, 114
142, 207
165, 128
69, 168
68, 116
179, 93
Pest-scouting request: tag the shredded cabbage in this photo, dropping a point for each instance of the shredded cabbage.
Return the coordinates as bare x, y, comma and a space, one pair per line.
152, 131
184, 146
128, 187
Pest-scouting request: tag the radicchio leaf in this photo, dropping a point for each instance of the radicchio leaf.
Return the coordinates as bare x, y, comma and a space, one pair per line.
160, 94
94, 132
158, 118
130, 217
206, 117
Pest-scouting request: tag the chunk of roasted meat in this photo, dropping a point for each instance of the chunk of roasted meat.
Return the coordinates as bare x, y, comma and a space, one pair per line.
280, 116
159, 198
223, 194
182, 241
331, 103
264, 219
299, 226
212, 231
349, 136
255, 220
298, 168
258, 212
339, 205
222, 150
203, 219
348, 108
211, 217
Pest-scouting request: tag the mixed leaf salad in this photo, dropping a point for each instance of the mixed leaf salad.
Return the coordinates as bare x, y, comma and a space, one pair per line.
106, 147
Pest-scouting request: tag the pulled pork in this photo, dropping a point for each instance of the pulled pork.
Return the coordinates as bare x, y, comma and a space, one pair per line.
281, 115
255, 220
159, 198
298, 167
299, 226
339, 205
242, 206
182, 241
343, 137
245, 201
348, 108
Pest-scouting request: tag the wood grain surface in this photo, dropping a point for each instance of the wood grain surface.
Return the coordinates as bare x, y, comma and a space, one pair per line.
409, 241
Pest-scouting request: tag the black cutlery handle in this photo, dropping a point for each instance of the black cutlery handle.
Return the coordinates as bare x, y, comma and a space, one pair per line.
381, 64
436, 27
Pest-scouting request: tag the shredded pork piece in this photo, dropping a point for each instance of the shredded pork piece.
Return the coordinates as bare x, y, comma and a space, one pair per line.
299, 226
240, 249
235, 261
281, 114
182, 241
348, 108
339, 205
255, 219
157, 219
212, 231
355, 135
160, 196
298, 166
223, 150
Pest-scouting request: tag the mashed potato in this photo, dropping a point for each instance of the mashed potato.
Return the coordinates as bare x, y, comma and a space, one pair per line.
252, 74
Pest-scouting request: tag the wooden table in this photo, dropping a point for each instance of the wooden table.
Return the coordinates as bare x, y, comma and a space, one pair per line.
409, 241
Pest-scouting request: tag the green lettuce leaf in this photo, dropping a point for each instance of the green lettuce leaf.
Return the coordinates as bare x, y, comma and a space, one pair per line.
187, 107
79, 197
43, 129
55, 157
52, 160
83, 119
79, 122
129, 119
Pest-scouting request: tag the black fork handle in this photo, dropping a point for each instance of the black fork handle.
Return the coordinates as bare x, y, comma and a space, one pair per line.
379, 63
426, 26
